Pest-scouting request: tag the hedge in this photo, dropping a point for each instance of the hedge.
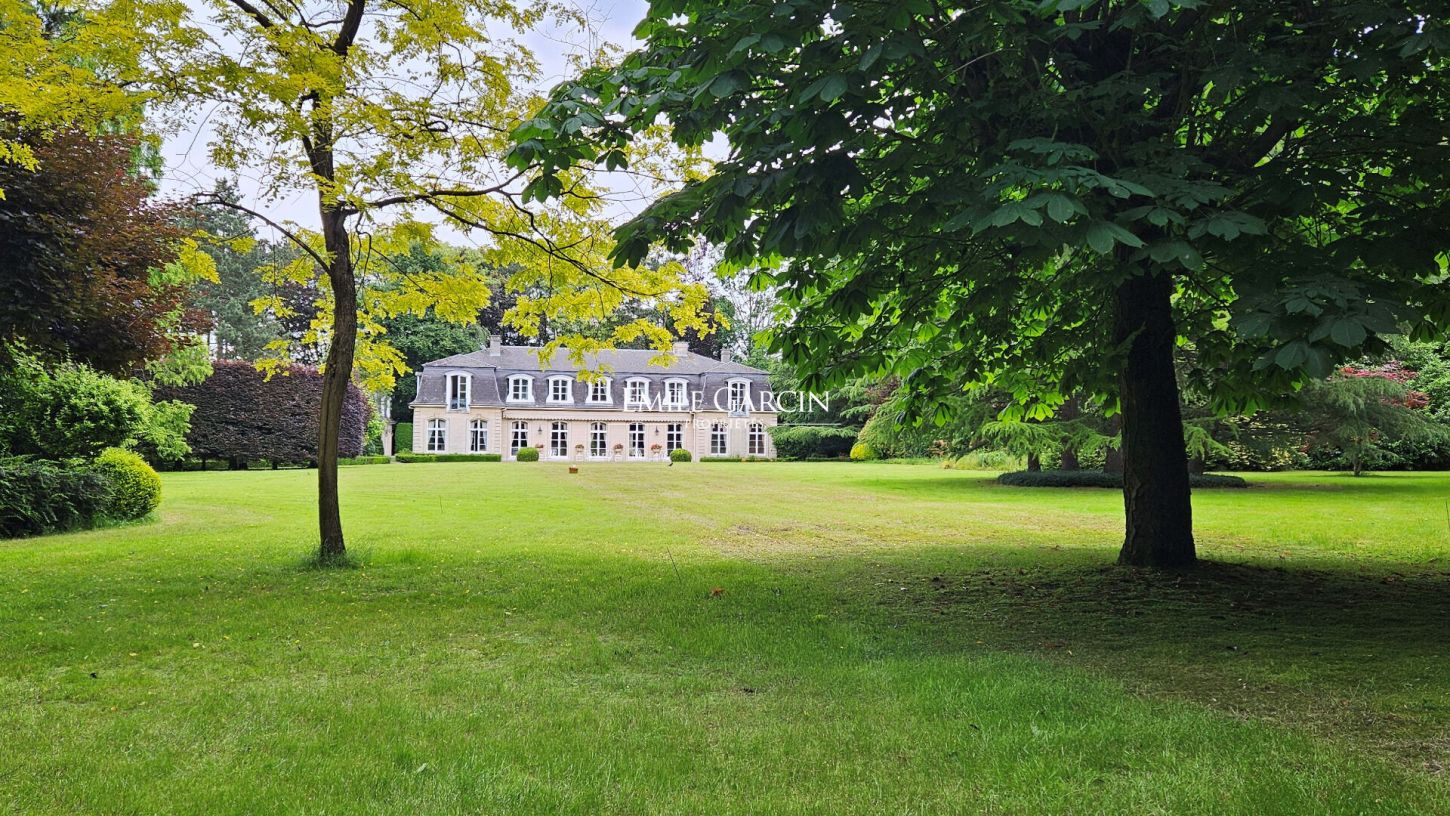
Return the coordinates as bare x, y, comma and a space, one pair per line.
243, 416
812, 441
38, 497
403, 437
365, 460
448, 457
734, 459
1099, 478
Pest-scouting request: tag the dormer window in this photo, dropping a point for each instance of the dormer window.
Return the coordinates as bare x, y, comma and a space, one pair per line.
561, 389
521, 388
675, 393
739, 397
458, 386
636, 393
599, 392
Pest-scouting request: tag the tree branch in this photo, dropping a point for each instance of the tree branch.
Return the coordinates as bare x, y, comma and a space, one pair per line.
288, 234
252, 11
351, 21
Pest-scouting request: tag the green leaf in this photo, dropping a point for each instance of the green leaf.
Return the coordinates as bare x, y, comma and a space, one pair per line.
1100, 238
1347, 332
727, 83
1060, 208
832, 87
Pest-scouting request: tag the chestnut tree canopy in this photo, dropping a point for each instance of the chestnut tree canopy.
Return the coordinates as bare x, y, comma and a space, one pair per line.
1052, 197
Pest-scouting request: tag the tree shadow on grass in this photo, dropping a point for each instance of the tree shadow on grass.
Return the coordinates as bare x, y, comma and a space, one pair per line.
1349, 657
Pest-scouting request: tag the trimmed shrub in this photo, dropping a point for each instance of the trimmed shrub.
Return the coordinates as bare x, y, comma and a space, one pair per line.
985, 460
1098, 478
241, 416
812, 441
403, 438
67, 411
735, 459
46, 497
527, 455
680, 455
135, 487
450, 457
364, 460
862, 452
892, 441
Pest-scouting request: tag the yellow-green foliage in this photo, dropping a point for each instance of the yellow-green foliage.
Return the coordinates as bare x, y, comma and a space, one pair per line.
861, 452
402, 122
527, 455
135, 489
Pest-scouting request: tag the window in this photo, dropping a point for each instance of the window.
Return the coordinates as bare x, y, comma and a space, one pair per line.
636, 393
437, 435
520, 437
478, 436
521, 388
718, 445
561, 389
597, 449
636, 440
675, 394
757, 439
559, 440
739, 397
458, 392
599, 392
674, 436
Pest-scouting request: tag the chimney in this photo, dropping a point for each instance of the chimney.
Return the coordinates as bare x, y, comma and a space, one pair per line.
682, 348
726, 355
495, 345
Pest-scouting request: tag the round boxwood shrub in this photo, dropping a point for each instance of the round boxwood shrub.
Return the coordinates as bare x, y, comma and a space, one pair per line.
527, 455
861, 452
680, 455
135, 487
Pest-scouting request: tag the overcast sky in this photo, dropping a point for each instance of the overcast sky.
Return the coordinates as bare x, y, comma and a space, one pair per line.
188, 167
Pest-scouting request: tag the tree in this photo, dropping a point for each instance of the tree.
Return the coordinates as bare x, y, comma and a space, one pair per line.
1358, 410
92, 268
63, 71
384, 112
1044, 196
229, 237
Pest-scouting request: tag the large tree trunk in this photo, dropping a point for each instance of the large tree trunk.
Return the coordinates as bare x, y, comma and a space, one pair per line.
1155, 465
335, 378
1034, 462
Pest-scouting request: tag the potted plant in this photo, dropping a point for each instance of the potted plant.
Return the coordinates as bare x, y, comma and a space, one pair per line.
656, 451
578, 453
618, 451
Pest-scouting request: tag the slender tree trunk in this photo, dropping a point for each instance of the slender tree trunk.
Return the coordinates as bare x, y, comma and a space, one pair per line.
1034, 462
1155, 464
335, 377
1067, 457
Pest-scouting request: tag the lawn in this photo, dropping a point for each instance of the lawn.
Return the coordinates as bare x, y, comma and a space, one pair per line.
729, 639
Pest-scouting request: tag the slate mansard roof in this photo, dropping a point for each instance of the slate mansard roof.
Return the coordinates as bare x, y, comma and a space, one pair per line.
489, 375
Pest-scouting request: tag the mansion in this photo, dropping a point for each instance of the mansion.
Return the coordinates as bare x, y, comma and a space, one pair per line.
502, 398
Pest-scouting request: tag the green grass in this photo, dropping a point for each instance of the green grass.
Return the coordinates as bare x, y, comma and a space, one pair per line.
777, 638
